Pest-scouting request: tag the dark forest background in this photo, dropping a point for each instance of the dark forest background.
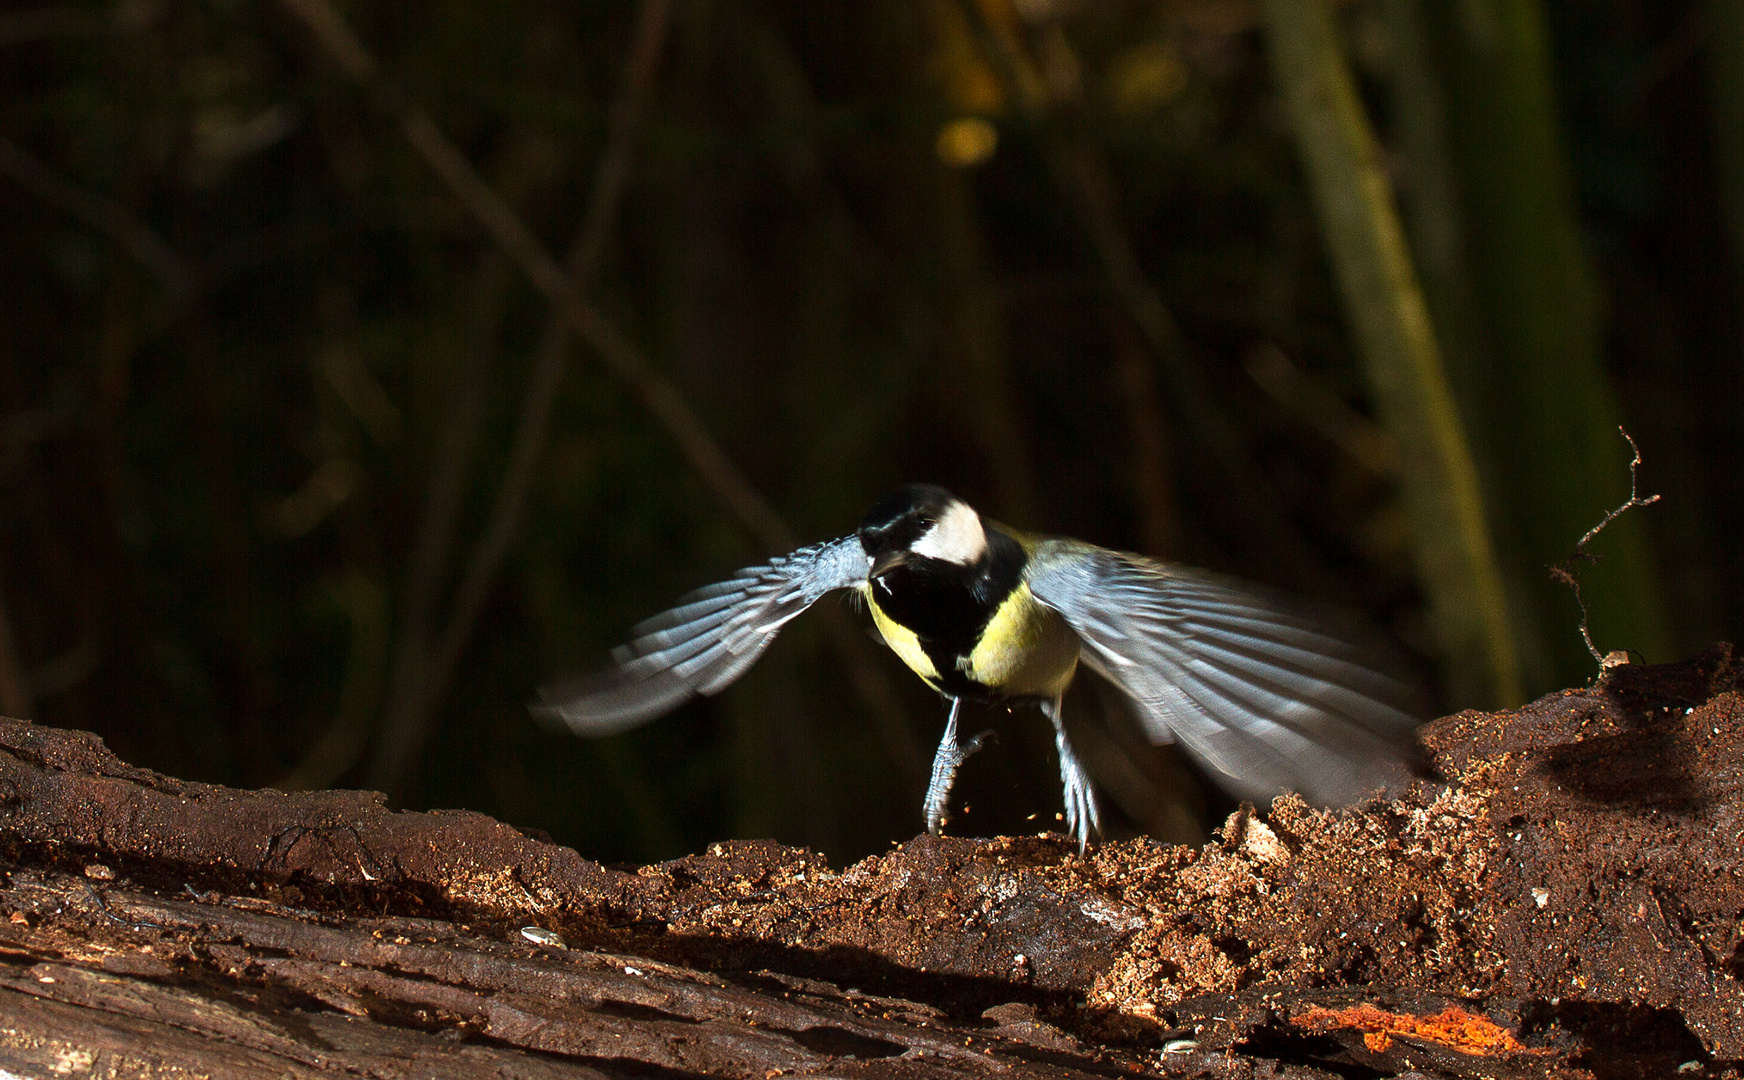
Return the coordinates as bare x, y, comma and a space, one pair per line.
365, 366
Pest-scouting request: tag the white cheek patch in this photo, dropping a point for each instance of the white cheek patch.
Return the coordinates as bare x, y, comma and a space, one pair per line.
957, 537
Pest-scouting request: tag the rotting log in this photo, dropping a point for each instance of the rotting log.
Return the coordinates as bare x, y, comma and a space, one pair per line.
1565, 899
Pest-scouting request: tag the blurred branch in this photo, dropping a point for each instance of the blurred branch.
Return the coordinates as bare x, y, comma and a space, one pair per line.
791, 97
100, 212
1083, 176
1455, 553
548, 369
415, 698
975, 341
1362, 440
365, 604
1433, 198
66, 670
335, 37
585, 257
406, 729
510, 233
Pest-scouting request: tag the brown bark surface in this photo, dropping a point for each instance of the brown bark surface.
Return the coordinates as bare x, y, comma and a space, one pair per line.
1566, 898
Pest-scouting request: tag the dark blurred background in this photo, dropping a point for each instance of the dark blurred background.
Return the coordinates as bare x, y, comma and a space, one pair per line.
364, 367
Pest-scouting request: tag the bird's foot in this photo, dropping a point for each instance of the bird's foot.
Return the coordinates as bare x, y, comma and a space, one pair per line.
946, 761
1083, 816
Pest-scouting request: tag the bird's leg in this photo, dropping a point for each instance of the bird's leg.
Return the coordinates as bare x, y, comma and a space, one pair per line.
1082, 815
949, 757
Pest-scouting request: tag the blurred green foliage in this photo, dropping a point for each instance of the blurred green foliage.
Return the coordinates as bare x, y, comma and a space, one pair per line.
242, 316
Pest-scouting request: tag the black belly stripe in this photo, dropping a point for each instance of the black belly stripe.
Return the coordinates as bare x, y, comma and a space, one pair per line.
947, 606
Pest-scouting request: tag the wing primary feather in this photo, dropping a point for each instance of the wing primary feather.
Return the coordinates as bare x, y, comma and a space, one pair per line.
704, 643
1297, 682
1263, 692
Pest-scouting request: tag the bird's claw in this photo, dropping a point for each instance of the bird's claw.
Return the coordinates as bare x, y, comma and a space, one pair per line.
946, 761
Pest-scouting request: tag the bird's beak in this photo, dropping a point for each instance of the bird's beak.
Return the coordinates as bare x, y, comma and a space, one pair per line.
888, 561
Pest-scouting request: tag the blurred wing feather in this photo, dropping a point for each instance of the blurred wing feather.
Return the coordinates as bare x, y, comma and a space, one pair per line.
1269, 697
705, 643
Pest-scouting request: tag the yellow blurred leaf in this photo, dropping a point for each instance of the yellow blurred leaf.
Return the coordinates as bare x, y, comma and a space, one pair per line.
967, 142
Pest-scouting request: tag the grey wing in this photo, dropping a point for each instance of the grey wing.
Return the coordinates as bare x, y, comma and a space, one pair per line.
1269, 697
706, 642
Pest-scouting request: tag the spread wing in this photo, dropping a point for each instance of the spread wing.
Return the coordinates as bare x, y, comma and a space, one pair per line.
1267, 696
706, 642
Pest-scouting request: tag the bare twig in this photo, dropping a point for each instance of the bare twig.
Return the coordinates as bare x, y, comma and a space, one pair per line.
101, 213
1564, 571
1634, 499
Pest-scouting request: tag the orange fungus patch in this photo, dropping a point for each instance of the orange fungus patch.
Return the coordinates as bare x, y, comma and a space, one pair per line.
1452, 1027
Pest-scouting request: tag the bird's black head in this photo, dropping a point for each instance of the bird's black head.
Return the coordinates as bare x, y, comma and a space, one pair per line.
922, 522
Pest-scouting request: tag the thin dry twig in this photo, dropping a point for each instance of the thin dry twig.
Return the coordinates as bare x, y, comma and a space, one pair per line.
1564, 571
533, 429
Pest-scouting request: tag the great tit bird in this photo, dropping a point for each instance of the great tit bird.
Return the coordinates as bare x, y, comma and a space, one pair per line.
1263, 695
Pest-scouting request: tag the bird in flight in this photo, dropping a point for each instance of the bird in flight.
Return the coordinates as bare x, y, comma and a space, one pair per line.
1265, 696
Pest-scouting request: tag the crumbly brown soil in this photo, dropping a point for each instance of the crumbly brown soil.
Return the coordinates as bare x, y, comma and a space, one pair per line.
1567, 899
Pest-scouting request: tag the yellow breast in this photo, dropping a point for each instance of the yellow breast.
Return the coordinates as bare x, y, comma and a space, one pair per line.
901, 640
1027, 649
